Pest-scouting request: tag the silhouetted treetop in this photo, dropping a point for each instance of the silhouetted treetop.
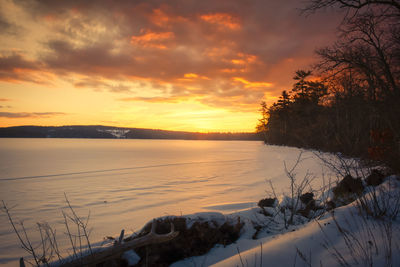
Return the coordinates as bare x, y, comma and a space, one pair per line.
314, 5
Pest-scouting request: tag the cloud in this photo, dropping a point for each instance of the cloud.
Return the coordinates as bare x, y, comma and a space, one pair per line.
18, 115
5, 26
4, 99
149, 39
249, 84
218, 52
222, 20
154, 99
14, 60
99, 84
15, 67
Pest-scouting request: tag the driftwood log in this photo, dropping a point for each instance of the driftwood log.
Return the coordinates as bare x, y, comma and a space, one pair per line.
119, 248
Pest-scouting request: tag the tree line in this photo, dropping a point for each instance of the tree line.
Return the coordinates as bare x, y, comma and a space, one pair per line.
349, 101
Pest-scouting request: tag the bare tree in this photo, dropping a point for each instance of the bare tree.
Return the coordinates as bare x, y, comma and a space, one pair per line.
367, 47
364, 67
314, 5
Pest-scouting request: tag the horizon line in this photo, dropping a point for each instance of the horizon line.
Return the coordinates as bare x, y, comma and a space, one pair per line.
125, 127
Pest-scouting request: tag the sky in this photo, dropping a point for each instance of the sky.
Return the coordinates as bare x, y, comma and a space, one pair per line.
191, 65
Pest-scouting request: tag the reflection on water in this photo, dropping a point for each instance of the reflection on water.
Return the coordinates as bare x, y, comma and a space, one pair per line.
125, 183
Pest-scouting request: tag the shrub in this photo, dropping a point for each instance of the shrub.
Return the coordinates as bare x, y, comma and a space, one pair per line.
267, 202
195, 240
375, 178
348, 189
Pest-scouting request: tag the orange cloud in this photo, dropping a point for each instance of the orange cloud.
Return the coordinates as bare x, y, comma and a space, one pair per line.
151, 39
223, 20
210, 52
50, 18
244, 59
238, 61
18, 115
249, 84
242, 63
26, 75
16, 68
192, 77
172, 99
218, 53
161, 19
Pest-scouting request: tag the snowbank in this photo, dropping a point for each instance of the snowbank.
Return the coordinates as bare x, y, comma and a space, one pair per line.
343, 236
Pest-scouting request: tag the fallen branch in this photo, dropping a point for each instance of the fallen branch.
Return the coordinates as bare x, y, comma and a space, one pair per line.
119, 248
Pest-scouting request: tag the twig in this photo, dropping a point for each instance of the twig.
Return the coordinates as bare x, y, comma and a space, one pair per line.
240, 257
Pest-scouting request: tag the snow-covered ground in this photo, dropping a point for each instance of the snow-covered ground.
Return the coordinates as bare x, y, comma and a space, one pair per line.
126, 183
342, 238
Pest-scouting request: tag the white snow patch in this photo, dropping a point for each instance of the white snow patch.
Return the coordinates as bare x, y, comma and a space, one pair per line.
117, 133
314, 243
131, 257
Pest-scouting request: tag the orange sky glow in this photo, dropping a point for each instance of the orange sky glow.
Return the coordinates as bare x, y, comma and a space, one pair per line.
175, 65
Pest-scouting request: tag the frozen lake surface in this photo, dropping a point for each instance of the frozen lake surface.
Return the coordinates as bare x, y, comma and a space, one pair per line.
126, 183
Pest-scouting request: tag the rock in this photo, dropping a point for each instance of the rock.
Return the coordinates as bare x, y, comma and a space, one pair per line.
267, 202
348, 189
308, 199
375, 178
194, 241
330, 205
264, 212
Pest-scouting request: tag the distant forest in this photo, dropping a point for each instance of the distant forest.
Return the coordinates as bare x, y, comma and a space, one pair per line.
349, 101
116, 132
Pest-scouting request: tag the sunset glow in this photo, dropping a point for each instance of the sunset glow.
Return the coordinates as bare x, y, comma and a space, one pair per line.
194, 66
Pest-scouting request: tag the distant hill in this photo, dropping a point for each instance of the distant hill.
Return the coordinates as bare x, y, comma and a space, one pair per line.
99, 131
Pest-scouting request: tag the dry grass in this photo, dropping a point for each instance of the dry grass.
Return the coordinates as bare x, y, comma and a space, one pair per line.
46, 250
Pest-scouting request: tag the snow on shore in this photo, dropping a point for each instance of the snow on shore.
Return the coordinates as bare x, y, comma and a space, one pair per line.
317, 243
132, 181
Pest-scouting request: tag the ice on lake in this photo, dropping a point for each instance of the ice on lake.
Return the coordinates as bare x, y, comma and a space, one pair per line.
126, 183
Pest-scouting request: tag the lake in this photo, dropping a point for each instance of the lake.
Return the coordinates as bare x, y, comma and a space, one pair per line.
124, 183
